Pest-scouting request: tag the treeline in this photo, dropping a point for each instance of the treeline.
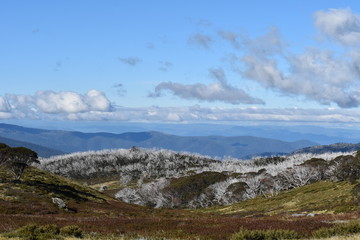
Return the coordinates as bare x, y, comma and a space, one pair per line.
163, 178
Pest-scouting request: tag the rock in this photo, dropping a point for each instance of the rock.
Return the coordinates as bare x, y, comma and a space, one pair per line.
59, 202
298, 215
103, 188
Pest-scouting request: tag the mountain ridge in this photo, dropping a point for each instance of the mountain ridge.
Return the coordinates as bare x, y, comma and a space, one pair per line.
214, 146
40, 150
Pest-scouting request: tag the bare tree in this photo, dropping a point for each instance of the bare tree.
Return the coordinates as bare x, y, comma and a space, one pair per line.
299, 176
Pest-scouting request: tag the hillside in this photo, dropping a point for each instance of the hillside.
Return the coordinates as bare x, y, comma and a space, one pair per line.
29, 201
325, 197
174, 180
214, 146
34, 193
167, 179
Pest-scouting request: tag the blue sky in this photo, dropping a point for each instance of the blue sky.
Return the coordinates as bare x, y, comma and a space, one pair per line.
181, 61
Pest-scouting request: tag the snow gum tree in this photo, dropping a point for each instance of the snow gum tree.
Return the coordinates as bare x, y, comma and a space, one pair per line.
17, 159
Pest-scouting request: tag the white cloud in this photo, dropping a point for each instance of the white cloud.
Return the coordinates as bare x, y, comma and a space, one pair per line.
173, 117
199, 114
220, 90
97, 101
339, 24
66, 111
53, 103
70, 102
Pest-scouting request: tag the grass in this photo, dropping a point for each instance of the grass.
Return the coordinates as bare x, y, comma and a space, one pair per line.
319, 198
102, 217
112, 187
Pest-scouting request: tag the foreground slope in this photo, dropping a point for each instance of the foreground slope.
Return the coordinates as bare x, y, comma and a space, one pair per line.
29, 201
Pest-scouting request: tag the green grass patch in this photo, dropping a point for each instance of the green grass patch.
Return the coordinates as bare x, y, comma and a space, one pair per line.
320, 197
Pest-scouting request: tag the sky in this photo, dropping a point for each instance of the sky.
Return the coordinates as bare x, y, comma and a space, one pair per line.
283, 62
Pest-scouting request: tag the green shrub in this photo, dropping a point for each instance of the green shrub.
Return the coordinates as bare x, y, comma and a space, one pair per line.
49, 229
245, 234
27, 232
71, 231
46, 232
339, 230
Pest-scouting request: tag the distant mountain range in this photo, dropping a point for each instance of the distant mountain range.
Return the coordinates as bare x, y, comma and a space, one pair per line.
337, 147
41, 151
214, 146
288, 133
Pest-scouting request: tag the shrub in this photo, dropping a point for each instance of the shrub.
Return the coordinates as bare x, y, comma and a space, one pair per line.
245, 234
339, 230
48, 229
71, 231
45, 232
27, 231
35, 232
356, 193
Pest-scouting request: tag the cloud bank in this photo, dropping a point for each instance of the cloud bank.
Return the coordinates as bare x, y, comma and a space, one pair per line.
94, 106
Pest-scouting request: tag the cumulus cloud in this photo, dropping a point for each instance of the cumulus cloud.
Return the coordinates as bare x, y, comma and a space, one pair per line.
220, 90
53, 103
70, 102
131, 61
342, 25
201, 40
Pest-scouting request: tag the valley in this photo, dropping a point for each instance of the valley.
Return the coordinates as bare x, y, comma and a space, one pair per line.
138, 193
